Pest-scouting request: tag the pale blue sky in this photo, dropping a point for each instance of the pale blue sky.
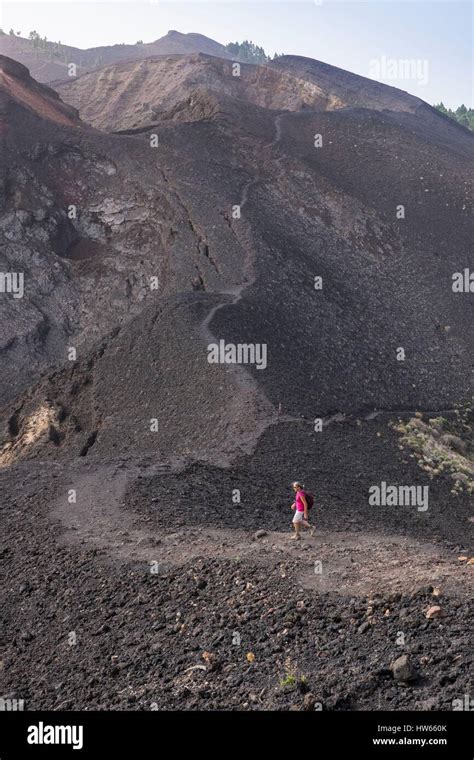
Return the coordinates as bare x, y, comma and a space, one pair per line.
349, 34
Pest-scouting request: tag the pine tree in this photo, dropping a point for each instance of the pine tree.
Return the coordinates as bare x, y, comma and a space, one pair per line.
462, 115
247, 51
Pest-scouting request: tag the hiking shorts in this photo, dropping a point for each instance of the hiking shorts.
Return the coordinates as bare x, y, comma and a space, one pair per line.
298, 516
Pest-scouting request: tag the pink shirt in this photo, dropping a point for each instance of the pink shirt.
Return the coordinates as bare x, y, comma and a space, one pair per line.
299, 502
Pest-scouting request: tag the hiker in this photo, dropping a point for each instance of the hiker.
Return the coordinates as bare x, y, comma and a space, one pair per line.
303, 502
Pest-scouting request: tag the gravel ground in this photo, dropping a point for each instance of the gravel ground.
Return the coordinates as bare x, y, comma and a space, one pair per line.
241, 626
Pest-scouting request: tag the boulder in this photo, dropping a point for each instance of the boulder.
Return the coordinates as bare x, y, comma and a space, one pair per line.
402, 669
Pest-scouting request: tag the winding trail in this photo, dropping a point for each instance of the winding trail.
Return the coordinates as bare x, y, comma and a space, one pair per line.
244, 380
353, 563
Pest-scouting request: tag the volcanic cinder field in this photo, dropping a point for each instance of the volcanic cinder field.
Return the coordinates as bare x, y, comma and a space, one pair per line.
217, 278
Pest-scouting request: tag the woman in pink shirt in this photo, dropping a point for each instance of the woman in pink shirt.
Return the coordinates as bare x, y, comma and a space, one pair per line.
300, 507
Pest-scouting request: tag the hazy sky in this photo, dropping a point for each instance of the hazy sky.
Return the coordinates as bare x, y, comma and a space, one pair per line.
435, 36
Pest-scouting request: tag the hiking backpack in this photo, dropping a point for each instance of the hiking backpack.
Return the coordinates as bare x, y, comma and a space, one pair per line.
309, 498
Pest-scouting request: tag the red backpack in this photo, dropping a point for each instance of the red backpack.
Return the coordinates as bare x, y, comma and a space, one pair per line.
309, 498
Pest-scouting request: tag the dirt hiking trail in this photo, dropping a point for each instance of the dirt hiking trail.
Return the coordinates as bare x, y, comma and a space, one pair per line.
346, 562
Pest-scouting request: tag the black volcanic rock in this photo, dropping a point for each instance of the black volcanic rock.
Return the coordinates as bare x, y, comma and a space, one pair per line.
140, 212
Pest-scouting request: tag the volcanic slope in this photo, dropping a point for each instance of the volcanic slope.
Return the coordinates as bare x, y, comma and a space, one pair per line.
380, 213
18, 87
134, 94
226, 204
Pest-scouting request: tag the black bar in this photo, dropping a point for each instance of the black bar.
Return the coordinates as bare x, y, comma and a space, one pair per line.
151, 734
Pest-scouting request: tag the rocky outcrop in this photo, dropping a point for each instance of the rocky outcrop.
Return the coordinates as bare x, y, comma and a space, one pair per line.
17, 85
137, 94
